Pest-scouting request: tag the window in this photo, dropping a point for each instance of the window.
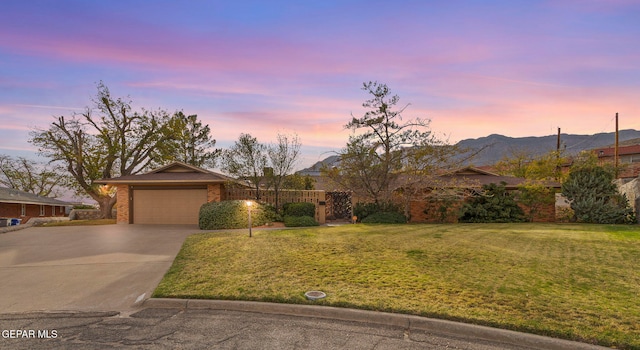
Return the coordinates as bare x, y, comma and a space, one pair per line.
42, 210
23, 210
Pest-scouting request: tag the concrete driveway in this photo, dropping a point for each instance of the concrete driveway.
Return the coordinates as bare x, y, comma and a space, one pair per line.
95, 268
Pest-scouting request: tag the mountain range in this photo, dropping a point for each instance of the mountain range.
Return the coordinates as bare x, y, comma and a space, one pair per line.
496, 147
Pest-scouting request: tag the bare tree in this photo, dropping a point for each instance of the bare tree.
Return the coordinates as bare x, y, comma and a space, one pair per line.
282, 158
104, 141
31, 176
246, 160
393, 155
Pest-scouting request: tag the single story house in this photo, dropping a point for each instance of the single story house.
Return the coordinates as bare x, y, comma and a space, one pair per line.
172, 194
628, 158
469, 180
24, 205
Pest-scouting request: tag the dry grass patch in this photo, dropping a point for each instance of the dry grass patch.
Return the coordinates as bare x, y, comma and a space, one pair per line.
578, 282
81, 222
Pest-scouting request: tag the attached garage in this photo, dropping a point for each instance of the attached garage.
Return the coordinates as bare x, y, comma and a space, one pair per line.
172, 194
171, 205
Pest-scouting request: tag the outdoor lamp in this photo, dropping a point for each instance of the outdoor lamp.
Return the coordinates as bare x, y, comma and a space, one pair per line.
249, 203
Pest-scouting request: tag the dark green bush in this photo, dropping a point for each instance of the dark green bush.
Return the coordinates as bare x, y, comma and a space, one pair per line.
84, 206
362, 210
594, 197
299, 209
495, 204
385, 218
299, 221
233, 214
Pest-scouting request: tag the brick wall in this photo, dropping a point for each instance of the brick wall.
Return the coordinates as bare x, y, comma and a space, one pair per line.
426, 211
122, 204
215, 193
14, 210
9, 210
545, 213
435, 211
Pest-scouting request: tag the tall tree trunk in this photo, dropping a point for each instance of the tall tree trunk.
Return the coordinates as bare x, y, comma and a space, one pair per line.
106, 204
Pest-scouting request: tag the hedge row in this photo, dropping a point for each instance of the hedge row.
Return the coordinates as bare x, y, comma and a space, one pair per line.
299, 214
299, 221
234, 214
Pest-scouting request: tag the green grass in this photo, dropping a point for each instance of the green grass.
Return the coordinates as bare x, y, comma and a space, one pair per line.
81, 222
579, 282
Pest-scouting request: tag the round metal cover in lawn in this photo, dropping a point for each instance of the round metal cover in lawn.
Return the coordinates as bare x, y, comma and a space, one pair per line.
315, 295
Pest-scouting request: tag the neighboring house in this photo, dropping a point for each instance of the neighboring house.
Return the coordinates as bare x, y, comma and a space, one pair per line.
628, 158
24, 205
467, 180
172, 194
629, 174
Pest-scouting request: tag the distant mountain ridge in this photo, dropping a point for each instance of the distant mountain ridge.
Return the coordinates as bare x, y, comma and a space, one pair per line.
496, 147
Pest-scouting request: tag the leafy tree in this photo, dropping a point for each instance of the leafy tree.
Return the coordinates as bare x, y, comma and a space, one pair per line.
536, 192
535, 195
30, 176
391, 153
282, 158
494, 204
108, 139
524, 164
359, 170
594, 197
246, 159
381, 146
298, 182
188, 141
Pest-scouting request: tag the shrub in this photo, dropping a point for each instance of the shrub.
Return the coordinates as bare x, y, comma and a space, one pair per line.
495, 204
299, 209
233, 214
595, 198
362, 210
84, 206
385, 218
299, 221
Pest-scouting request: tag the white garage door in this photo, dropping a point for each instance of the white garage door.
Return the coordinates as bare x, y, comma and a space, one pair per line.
167, 206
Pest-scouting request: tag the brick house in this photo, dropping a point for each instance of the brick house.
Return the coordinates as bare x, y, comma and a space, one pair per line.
24, 205
171, 194
628, 158
463, 182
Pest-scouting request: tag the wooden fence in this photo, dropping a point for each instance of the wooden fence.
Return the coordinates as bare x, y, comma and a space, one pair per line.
286, 196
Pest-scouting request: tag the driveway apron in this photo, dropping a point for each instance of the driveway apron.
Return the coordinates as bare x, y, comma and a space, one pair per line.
95, 268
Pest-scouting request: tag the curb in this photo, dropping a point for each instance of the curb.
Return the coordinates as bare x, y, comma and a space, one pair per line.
379, 318
16, 227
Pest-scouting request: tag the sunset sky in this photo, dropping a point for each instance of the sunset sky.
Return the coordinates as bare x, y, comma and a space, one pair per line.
517, 68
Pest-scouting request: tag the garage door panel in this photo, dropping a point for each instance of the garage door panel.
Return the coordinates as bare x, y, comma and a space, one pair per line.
168, 206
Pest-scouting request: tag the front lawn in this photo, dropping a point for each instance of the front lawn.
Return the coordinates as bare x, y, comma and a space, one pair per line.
579, 282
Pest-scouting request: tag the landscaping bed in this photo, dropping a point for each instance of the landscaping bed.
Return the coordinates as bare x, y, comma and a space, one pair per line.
579, 282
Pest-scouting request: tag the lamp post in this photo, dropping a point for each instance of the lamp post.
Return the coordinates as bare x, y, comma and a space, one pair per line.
249, 203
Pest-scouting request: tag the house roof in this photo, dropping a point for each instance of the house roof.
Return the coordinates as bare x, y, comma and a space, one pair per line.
478, 177
622, 151
10, 195
174, 173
